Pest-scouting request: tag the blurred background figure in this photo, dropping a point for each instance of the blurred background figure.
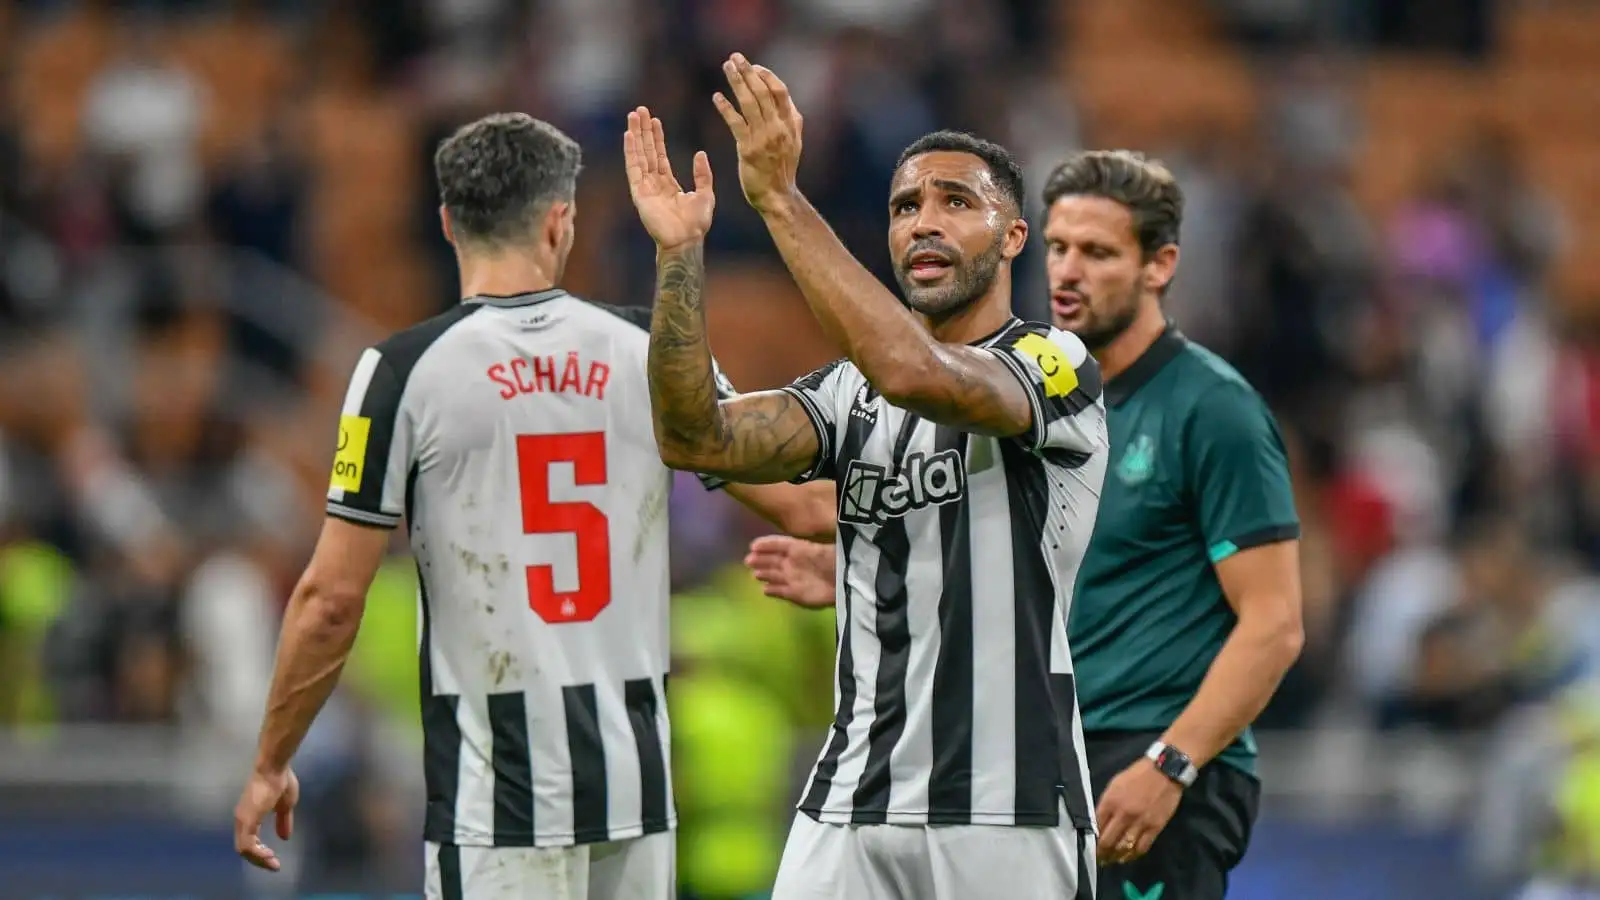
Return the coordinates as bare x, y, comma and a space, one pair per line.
208, 207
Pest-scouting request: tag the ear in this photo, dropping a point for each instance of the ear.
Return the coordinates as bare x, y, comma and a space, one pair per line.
557, 219
1161, 268
444, 224
1016, 238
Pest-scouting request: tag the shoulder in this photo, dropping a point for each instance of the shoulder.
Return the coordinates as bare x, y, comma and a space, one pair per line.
1040, 335
1218, 404
835, 370
636, 316
401, 351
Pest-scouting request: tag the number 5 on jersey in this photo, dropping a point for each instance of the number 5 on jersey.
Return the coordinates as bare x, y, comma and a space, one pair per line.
586, 523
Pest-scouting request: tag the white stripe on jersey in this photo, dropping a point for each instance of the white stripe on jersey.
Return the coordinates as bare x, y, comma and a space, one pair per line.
515, 437
954, 698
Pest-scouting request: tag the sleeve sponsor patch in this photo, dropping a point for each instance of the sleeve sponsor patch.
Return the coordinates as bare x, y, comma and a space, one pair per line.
350, 458
1060, 379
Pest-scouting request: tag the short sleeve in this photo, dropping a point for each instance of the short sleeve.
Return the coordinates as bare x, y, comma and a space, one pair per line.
372, 459
1063, 385
1238, 472
819, 394
725, 391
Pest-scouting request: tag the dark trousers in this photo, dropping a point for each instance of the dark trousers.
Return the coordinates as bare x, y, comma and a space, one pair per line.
1206, 839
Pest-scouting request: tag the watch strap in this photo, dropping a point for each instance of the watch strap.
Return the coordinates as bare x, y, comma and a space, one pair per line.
1173, 763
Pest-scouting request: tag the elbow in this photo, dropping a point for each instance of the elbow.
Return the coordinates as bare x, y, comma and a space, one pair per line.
1280, 634
1287, 639
329, 609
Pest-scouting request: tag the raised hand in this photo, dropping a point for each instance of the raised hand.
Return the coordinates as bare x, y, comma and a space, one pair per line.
767, 129
674, 217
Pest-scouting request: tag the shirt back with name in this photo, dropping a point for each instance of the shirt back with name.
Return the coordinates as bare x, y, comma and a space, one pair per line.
514, 435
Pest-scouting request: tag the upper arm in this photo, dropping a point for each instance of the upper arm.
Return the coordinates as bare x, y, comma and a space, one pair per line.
373, 456
1263, 583
1238, 472
344, 563
1240, 482
1060, 384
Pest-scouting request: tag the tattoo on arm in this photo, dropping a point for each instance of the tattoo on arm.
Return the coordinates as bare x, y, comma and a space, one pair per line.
754, 437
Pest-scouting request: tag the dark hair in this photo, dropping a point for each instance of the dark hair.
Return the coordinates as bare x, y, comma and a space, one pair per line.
1002, 165
1145, 186
498, 174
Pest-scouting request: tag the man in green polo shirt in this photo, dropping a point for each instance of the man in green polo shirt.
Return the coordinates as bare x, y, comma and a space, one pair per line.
1187, 611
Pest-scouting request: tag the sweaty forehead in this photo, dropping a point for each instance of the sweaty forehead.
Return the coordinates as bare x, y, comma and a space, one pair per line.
946, 165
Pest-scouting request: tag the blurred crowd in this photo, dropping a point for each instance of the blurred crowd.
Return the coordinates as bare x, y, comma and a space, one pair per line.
179, 301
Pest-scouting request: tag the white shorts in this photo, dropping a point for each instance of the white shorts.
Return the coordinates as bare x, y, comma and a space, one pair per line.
641, 868
935, 862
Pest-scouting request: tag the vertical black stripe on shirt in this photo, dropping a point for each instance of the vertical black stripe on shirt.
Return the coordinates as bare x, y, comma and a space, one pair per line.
587, 750
441, 766
1038, 749
1086, 868
450, 884
398, 357
950, 781
871, 801
513, 770
1075, 793
855, 441
639, 696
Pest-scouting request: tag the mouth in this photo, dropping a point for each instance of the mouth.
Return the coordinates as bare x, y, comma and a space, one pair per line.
928, 265
1067, 303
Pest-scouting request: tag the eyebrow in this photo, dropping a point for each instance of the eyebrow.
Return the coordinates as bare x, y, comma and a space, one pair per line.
947, 185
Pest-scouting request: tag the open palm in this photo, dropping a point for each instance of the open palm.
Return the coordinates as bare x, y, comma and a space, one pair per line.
672, 216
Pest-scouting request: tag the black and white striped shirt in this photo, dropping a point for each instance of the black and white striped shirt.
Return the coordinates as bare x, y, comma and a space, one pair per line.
514, 435
957, 556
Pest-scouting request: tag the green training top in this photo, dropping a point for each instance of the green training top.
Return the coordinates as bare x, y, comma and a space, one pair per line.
1198, 473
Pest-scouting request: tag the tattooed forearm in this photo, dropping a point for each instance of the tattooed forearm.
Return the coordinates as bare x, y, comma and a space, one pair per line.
755, 437
683, 390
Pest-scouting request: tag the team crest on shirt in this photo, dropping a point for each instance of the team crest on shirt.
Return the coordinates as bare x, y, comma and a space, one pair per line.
873, 495
1138, 461
863, 408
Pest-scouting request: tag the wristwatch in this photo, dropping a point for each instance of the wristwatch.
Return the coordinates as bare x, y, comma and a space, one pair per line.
1173, 763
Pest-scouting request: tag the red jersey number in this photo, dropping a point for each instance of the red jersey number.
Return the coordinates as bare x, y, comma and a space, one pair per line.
587, 453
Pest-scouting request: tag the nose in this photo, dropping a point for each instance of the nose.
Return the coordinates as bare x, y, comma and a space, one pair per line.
927, 224
1066, 268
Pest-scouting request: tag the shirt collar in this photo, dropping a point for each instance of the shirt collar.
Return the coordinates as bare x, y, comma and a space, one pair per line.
526, 298
1152, 360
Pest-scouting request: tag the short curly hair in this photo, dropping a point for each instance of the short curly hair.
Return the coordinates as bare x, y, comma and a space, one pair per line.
499, 174
1005, 169
1146, 187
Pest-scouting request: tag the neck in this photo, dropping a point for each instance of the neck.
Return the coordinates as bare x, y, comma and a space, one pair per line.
978, 319
1126, 348
504, 273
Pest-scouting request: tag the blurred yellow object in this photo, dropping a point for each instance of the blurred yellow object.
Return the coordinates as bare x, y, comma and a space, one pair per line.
36, 581
732, 752
383, 662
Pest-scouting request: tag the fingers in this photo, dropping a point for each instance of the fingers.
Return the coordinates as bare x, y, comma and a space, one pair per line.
247, 843
658, 137
782, 103
732, 117
702, 172
648, 148
772, 543
755, 98
285, 819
